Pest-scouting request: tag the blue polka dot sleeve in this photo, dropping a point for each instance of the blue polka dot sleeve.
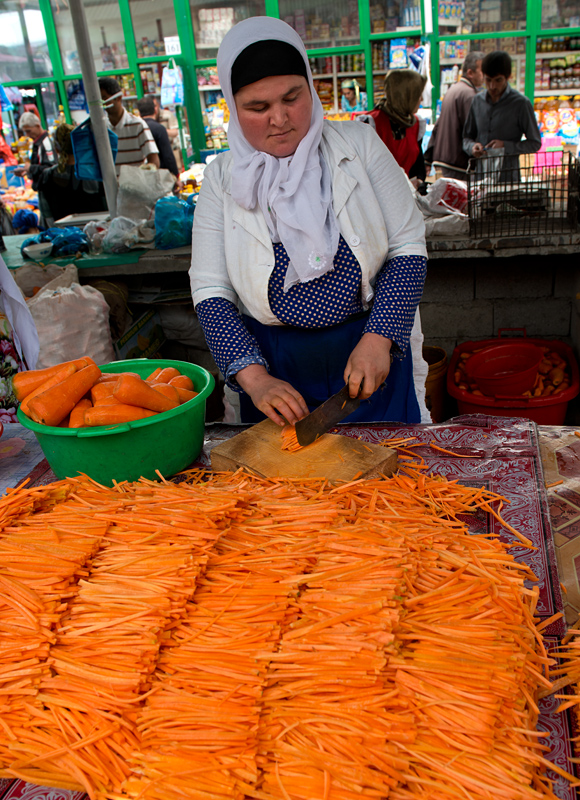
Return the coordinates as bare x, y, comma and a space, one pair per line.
230, 342
398, 289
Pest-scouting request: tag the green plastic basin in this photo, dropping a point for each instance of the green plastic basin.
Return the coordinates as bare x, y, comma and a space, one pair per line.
167, 442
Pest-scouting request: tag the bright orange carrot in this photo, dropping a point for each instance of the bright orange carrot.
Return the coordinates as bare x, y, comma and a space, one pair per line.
164, 375
114, 414
102, 390
154, 374
25, 382
168, 390
52, 406
136, 392
185, 394
183, 382
54, 380
77, 415
289, 440
107, 377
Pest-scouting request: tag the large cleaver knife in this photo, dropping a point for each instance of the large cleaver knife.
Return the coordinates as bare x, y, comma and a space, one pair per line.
325, 417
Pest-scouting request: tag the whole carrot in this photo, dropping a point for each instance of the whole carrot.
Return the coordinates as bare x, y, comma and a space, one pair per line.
136, 392
54, 380
184, 394
115, 414
52, 406
182, 381
23, 383
167, 391
164, 375
77, 415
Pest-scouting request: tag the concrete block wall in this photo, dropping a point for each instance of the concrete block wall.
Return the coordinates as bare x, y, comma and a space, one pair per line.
467, 299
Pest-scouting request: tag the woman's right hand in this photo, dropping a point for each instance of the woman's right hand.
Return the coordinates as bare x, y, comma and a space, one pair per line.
276, 399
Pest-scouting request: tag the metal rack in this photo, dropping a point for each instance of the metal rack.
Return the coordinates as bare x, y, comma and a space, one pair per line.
511, 196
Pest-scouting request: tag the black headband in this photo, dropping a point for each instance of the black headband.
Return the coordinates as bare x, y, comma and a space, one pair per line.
264, 59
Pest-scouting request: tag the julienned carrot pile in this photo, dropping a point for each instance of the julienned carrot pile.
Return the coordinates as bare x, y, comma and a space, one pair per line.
236, 636
78, 388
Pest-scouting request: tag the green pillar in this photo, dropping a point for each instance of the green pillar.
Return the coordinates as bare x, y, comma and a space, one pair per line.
131, 48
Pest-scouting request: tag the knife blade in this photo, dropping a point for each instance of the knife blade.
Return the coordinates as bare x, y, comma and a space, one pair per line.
333, 410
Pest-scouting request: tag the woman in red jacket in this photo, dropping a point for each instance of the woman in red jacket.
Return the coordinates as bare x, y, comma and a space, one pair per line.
395, 121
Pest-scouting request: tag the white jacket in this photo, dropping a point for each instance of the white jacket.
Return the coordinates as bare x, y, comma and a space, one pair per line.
231, 252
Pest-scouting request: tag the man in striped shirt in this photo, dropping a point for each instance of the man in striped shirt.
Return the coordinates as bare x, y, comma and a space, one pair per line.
136, 144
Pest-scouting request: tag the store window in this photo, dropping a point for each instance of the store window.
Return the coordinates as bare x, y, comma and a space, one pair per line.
481, 16
323, 24
155, 27
393, 15
391, 54
210, 24
452, 55
105, 31
23, 46
50, 102
560, 13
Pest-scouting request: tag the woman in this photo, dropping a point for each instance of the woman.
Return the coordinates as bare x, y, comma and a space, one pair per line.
353, 99
297, 229
395, 121
60, 191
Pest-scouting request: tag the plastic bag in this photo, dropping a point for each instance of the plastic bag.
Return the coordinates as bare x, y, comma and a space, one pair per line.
139, 190
447, 196
126, 234
65, 241
96, 232
87, 167
72, 321
171, 85
173, 222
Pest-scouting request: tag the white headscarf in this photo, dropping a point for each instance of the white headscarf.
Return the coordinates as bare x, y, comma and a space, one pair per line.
294, 193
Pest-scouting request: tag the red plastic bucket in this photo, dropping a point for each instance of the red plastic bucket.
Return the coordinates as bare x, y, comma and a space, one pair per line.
550, 410
505, 369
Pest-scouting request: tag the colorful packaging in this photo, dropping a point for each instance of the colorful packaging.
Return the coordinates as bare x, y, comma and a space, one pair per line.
398, 54
551, 117
568, 125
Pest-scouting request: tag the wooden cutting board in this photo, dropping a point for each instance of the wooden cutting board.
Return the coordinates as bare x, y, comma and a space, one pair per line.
334, 457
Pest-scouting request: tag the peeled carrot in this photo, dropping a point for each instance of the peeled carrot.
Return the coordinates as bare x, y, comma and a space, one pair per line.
102, 390
23, 383
108, 377
77, 415
168, 391
114, 414
154, 374
136, 392
54, 380
185, 394
182, 381
164, 375
52, 406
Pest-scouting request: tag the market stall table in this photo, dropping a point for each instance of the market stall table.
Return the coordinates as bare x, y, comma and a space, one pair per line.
506, 459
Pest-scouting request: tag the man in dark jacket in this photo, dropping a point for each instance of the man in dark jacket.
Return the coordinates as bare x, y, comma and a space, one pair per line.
446, 144
146, 108
43, 155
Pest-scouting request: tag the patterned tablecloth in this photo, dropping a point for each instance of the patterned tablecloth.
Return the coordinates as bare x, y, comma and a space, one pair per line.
509, 462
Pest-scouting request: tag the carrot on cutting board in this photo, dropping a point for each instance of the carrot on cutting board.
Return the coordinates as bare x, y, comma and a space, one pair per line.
168, 391
182, 381
52, 406
137, 392
164, 375
184, 394
77, 415
23, 383
57, 378
115, 414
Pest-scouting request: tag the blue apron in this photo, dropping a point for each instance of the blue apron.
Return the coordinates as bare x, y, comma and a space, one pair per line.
313, 362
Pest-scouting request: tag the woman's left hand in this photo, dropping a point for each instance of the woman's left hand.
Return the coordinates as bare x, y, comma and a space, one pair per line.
368, 364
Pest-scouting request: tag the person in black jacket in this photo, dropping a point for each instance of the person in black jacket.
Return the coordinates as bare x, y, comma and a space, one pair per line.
167, 160
61, 191
43, 155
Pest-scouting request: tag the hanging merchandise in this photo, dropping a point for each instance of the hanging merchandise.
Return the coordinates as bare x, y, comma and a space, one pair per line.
171, 85
398, 54
87, 167
5, 104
